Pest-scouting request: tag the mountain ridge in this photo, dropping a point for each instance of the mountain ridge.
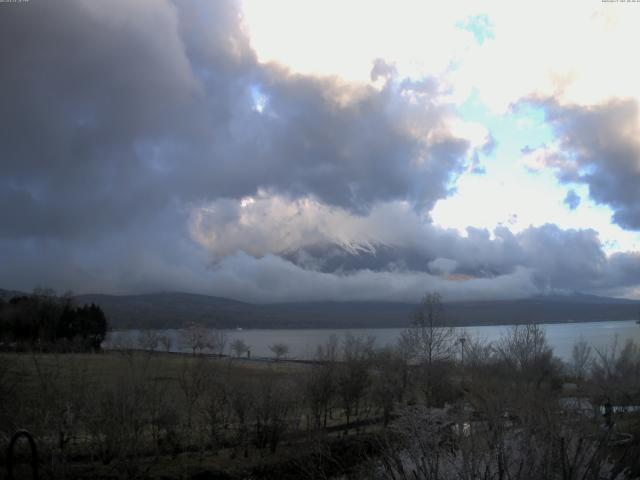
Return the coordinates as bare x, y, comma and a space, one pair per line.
175, 309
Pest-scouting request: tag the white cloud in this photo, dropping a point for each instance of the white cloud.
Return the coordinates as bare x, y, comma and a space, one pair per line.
271, 223
575, 49
311, 150
272, 279
334, 37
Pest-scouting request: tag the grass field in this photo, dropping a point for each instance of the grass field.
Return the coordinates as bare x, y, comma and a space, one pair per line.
134, 413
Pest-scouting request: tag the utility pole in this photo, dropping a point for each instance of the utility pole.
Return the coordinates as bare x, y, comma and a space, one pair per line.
462, 340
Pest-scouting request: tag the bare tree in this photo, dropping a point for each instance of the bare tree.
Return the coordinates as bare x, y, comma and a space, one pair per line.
433, 342
238, 347
405, 353
241, 400
271, 408
217, 341
193, 380
478, 352
161, 410
320, 383
280, 350
605, 360
194, 337
525, 351
628, 363
387, 384
616, 371
523, 345
430, 444
216, 411
319, 389
353, 376
431, 337
416, 446
580, 359
166, 341
148, 340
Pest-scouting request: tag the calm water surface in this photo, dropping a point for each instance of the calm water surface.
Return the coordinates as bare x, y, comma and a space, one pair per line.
303, 342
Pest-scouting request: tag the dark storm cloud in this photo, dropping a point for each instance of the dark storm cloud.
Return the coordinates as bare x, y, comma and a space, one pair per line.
82, 92
272, 279
121, 119
600, 146
563, 259
541, 260
556, 259
119, 110
623, 270
352, 147
153, 256
118, 117
395, 241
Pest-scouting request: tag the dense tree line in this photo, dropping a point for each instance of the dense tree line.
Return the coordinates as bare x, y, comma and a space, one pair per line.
45, 321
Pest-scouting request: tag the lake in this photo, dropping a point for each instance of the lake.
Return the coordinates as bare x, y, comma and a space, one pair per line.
303, 342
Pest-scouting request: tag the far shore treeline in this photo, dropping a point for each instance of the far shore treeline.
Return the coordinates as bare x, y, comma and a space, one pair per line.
46, 322
163, 310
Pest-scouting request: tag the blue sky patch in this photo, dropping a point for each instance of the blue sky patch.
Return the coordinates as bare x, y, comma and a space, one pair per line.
480, 26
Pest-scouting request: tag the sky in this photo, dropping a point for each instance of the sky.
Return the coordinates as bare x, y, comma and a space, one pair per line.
296, 150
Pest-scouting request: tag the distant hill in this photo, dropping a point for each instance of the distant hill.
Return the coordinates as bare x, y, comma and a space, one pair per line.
174, 309
7, 295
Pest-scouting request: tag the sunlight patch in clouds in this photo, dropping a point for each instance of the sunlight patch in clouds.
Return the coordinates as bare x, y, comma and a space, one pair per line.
334, 37
519, 189
269, 223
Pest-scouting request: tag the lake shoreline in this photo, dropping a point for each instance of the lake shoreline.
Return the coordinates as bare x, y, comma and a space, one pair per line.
303, 342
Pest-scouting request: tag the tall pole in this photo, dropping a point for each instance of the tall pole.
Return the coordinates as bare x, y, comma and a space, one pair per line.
462, 340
